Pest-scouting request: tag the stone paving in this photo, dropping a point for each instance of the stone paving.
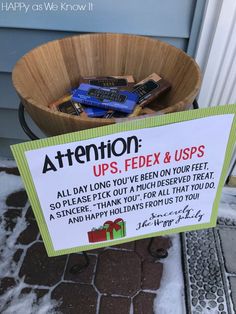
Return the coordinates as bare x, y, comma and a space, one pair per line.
209, 258
121, 279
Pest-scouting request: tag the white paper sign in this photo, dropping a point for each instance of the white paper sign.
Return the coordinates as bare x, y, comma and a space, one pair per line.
151, 180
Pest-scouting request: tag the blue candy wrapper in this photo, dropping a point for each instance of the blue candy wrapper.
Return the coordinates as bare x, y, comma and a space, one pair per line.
94, 112
106, 98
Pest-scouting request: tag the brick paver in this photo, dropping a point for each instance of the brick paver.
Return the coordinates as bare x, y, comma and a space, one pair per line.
6, 283
17, 199
40, 269
84, 276
29, 214
151, 275
118, 272
10, 218
17, 255
114, 305
76, 298
29, 234
143, 303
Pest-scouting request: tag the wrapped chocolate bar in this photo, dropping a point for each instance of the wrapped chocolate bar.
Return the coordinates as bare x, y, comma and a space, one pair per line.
120, 82
54, 105
70, 107
150, 88
66, 105
114, 99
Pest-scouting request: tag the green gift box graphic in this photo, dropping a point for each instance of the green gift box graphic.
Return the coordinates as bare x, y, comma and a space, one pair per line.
115, 230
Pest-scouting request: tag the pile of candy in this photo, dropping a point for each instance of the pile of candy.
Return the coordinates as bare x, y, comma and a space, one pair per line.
112, 97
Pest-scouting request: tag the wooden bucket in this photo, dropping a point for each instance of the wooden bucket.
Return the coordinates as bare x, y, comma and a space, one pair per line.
49, 71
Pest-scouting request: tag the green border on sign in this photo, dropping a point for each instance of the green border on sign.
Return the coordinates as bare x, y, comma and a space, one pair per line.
158, 120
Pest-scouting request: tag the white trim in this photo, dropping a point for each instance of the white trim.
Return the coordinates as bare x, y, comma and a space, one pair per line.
211, 15
216, 53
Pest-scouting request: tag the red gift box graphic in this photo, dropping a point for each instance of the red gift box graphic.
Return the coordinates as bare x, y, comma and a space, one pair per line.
110, 230
97, 235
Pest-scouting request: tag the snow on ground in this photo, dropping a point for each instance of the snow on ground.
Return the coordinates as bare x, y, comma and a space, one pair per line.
9, 184
227, 207
7, 163
13, 301
25, 303
170, 297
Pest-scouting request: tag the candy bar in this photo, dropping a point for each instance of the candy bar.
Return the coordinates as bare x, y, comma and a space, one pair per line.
121, 82
61, 100
66, 105
70, 107
150, 88
106, 98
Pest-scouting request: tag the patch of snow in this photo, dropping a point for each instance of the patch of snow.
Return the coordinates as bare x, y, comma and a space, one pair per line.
227, 206
228, 195
226, 211
9, 184
170, 296
13, 301
8, 249
206, 311
7, 163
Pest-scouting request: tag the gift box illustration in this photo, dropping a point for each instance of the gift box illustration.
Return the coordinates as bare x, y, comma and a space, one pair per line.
110, 230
